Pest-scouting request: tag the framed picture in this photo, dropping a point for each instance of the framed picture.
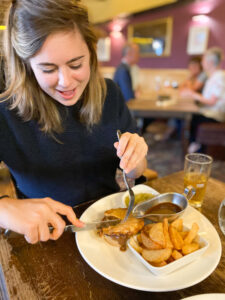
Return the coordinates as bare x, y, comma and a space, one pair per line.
153, 37
197, 40
104, 49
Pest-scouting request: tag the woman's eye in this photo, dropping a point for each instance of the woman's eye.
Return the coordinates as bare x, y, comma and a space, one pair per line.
48, 71
76, 67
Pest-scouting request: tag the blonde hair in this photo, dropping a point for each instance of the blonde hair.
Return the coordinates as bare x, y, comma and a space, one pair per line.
214, 54
29, 23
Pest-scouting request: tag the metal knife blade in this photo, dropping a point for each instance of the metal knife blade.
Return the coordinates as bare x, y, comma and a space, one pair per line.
92, 225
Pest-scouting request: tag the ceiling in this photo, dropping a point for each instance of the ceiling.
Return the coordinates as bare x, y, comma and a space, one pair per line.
105, 10
4, 4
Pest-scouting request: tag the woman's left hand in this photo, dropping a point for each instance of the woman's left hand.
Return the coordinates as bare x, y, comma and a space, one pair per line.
132, 150
187, 93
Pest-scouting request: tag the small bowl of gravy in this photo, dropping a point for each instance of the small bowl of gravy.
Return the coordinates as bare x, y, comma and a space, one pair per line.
168, 205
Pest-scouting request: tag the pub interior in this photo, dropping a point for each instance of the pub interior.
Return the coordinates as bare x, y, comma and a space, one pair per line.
162, 55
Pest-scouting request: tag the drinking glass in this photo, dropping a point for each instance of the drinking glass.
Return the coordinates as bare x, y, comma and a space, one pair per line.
221, 216
197, 167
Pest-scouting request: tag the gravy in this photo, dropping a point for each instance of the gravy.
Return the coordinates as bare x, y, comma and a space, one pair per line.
164, 208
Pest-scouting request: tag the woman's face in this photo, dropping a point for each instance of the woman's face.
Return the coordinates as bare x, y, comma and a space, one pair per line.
206, 64
194, 68
62, 66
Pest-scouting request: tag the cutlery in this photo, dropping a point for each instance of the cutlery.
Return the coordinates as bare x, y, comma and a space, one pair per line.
130, 191
73, 228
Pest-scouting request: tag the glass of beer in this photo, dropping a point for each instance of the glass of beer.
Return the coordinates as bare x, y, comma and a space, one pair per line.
197, 169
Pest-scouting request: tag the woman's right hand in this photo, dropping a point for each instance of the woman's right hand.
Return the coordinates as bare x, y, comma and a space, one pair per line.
32, 217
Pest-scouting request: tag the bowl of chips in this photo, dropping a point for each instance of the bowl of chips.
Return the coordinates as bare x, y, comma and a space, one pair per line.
164, 248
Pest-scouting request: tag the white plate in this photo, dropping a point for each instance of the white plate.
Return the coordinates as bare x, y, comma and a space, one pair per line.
122, 267
206, 297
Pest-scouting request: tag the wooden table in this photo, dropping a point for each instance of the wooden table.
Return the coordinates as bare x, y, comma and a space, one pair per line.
56, 270
179, 108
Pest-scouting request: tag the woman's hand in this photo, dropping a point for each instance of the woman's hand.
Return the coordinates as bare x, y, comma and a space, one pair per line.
187, 93
32, 217
132, 150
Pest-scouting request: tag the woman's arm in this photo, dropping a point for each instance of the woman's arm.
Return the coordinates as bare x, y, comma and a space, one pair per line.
199, 97
132, 150
31, 217
208, 101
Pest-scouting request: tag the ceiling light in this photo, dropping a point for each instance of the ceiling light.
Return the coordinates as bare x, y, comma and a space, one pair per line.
200, 18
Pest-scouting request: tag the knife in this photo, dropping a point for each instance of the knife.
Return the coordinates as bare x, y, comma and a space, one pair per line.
91, 225
72, 228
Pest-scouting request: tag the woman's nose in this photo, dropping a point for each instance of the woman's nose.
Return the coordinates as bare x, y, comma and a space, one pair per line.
64, 78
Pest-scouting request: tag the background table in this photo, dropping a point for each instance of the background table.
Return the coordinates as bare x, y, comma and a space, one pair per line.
56, 270
179, 108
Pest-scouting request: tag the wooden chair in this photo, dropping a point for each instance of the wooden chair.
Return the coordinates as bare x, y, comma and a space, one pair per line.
150, 174
212, 136
6, 185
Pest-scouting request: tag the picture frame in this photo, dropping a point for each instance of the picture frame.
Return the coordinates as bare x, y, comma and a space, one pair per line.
154, 38
197, 40
104, 49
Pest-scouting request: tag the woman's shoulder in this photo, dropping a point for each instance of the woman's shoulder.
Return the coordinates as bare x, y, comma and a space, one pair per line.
3, 106
111, 85
6, 113
113, 92
219, 74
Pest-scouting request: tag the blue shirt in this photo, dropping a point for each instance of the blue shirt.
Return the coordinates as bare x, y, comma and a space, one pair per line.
123, 79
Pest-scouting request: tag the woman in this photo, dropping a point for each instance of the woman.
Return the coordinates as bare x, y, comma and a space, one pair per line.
58, 119
195, 82
212, 98
197, 76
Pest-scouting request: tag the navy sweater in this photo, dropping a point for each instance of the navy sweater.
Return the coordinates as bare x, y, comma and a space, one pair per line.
82, 168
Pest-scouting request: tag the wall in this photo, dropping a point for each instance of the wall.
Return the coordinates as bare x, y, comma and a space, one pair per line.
182, 20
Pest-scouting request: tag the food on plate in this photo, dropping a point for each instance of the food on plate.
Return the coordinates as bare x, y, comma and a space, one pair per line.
146, 241
176, 238
157, 256
162, 243
189, 248
140, 197
191, 234
156, 234
168, 243
118, 235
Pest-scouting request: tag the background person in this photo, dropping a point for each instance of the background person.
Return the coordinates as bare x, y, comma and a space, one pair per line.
195, 82
197, 77
122, 76
212, 99
58, 119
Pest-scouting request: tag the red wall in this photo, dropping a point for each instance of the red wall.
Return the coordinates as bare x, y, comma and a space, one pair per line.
182, 20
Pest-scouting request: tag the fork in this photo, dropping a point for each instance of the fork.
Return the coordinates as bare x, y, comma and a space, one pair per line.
130, 191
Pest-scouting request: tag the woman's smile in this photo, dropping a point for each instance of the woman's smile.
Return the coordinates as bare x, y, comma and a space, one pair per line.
69, 94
